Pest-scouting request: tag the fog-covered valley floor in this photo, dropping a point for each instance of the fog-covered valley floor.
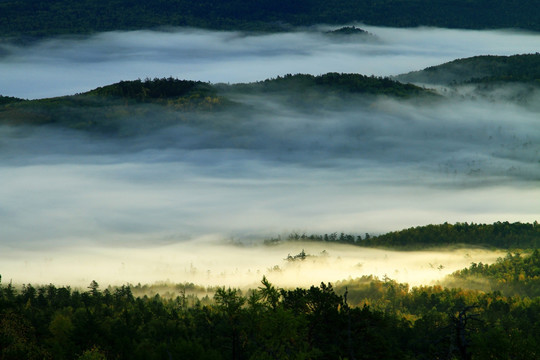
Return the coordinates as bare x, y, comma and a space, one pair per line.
208, 261
160, 206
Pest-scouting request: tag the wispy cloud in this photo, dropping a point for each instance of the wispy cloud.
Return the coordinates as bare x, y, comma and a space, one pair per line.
64, 66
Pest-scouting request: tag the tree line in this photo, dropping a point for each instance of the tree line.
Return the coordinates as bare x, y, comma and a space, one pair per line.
503, 235
53, 17
485, 69
120, 108
388, 321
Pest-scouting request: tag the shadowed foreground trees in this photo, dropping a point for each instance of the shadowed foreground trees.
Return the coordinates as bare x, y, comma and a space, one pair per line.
268, 323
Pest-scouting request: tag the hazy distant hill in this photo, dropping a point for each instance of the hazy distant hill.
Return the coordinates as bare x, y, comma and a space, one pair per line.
336, 83
480, 69
349, 31
43, 18
156, 89
121, 105
129, 103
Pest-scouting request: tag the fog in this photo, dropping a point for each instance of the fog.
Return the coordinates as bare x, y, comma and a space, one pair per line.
163, 205
63, 66
207, 261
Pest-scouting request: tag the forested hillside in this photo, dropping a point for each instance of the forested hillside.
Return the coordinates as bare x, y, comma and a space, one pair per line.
481, 69
503, 235
340, 84
129, 106
516, 274
45, 18
8, 100
98, 109
154, 90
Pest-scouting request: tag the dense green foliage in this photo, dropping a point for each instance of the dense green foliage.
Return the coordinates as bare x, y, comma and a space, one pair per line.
124, 108
155, 89
8, 100
513, 275
499, 235
348, 30
27, 17
373, 319
481, 69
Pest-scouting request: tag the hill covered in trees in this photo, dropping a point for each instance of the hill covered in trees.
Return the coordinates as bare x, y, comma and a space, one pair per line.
30, 18
502, 235
103, 108
154, 90
349, 31
514, 275
336, 83
8, 100
480, 69
499, 79
130, 106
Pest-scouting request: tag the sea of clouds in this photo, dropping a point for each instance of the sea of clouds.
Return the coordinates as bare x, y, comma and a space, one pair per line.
74, 205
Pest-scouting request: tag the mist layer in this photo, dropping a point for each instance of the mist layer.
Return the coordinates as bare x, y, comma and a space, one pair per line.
63, 66
74, 205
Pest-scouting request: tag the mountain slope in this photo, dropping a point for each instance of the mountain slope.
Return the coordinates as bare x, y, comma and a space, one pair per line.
480, 69
127, 103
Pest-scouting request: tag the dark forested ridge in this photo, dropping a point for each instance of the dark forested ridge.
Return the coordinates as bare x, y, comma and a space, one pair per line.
480, 69
122, 108
168, 88
111, 108
31, 18
121, 100
8, 100
337, 83
154, 89
348, 31
503, 235
500, 234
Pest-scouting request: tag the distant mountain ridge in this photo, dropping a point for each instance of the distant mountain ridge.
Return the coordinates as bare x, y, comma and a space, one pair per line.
54, 17
164, 88
180, 97
335, 82
102, 108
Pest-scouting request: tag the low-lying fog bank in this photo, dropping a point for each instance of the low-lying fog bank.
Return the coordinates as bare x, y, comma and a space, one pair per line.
71, 201
211, 263
373, 169
76, 206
